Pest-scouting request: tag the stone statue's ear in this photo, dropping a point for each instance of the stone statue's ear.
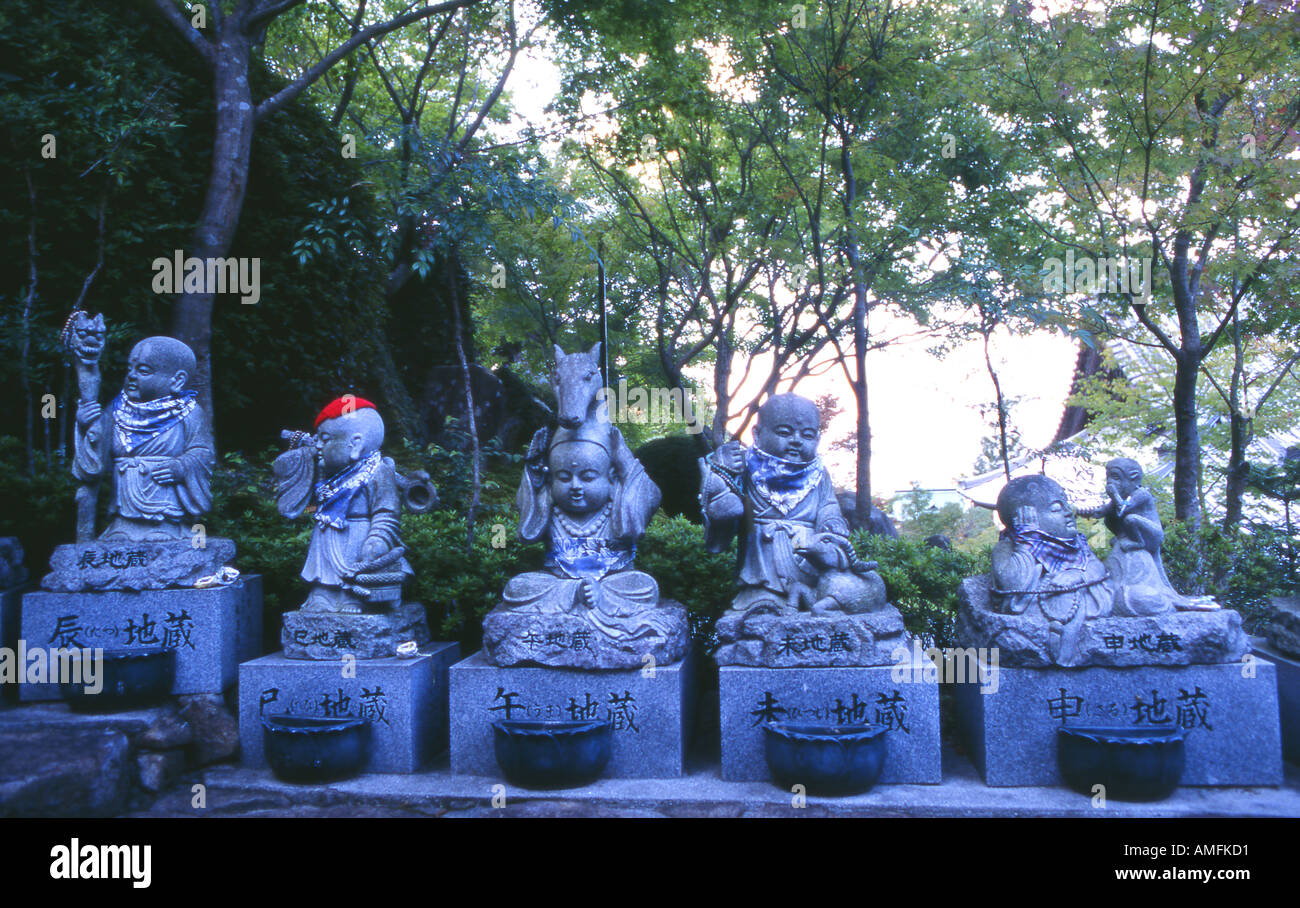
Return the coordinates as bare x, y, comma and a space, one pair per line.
179, 380
559, 353
356, 444
595, 350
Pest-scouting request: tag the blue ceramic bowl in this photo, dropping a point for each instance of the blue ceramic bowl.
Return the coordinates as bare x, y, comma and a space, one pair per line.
1136, 763
130, 678
312, 749
552, 754
825, 759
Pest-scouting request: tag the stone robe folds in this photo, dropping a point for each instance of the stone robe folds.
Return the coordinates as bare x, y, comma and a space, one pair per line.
126, 461
625, 604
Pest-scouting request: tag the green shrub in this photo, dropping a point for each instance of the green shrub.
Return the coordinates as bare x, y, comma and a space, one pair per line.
922, 581
1240, 568
672, 552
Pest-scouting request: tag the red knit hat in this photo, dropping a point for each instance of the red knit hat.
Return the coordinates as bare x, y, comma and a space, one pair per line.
348, 403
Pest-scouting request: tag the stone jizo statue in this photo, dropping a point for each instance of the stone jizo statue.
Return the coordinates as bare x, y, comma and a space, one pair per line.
356, 563
151, 446
804, 597
585, 496
590, 519
1049, 601
1137, 570
778, 498
150, 449
1042, 565
356, 557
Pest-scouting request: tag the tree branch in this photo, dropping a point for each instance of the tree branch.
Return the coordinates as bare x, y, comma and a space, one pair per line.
296, 87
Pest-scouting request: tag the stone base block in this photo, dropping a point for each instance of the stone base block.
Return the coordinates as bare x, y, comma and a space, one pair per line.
1233, 737
805, 640
405, 699
571, 641
364, 635
124, 565
651, 712
893, 696
1288, 695
10, 612
212, 630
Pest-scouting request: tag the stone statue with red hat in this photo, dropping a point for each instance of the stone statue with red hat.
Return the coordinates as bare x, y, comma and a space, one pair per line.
356, 562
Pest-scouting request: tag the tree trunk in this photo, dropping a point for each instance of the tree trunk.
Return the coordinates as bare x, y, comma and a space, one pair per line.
224, 198
1187, 440
721, 388
1240, 428
862, 501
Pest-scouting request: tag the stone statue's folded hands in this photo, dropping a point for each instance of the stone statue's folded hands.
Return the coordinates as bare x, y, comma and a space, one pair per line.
167, 474
87, 412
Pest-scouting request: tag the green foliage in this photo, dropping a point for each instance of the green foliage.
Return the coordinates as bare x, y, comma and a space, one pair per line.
39, 509
1241, 569
922, 582
672, 552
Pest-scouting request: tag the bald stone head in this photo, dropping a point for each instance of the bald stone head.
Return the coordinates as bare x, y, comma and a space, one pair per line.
1037, 501
158, 367
789, 427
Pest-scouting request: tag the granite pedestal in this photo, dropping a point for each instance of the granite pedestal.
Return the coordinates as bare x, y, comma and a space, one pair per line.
10, 610
1288, 694
1233, 735
405, 699
651, 714
212, 630
891, 695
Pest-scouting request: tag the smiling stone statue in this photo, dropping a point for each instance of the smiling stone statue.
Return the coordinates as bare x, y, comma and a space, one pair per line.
589, 500
150, 448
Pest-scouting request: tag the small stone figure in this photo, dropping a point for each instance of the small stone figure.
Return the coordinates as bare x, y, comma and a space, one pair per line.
587, 497
778, 497
356, 562
1043, 566
804, 598
1137, 571
152, 445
